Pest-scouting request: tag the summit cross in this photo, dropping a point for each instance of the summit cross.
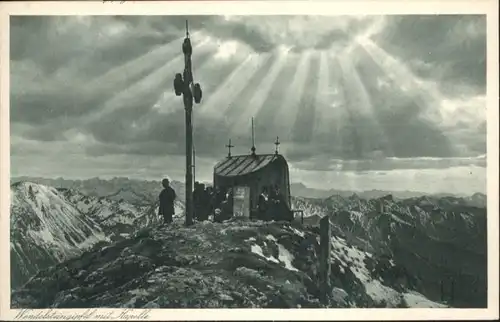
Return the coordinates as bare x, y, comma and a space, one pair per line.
229, 146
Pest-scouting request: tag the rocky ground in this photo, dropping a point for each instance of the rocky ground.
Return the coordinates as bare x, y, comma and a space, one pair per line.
211, 265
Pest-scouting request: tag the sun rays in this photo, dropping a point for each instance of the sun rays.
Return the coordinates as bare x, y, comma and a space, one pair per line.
290, 105
260, 95
376, 137
145, 87
218, 103
146, 63
425, 95
323, 99
326, 96
312, 91
329, 105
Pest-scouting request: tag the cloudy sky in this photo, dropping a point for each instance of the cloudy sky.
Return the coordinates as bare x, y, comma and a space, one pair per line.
358, 102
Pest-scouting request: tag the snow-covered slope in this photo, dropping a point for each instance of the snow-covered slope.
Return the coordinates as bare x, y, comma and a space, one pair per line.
49, 225
211, 265
45, 229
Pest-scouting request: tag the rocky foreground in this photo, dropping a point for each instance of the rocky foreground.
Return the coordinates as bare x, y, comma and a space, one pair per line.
211, 265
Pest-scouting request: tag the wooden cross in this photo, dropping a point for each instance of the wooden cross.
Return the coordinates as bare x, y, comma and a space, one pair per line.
277, 143
229, 146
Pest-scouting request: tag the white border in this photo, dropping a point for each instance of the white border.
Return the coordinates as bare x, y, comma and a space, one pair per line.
374, 7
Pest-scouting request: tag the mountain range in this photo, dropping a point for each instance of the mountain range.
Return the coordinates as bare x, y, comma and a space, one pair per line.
301, 190
144, 192
98, 247
140, 192
442, 242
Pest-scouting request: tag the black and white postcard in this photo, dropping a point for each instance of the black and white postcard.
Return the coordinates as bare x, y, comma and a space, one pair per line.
249, 160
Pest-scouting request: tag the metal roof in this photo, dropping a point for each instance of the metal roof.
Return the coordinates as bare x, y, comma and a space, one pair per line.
239, 165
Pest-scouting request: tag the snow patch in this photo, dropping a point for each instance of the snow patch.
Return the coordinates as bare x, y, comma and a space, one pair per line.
139, 292
256, 249
286, 257
297, 232
399, 220
416, 300
271, 237
356, 215
379, 293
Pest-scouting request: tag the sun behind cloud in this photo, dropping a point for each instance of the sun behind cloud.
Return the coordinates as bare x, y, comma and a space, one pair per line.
340, 89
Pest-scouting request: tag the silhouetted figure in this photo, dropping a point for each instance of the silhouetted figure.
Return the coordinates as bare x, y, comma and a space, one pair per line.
272, 206
167, 198
197, 196
204, 201
219, 197
226, 208
280, 209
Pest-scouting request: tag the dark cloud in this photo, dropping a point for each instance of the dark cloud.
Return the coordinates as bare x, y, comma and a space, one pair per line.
243, 32
401, 115
68, 99
339, 37
407, 133
214, 25
91, 44
156, 134
324, 163
449, 48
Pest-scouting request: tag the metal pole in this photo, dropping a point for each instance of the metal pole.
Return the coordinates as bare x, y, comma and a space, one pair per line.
194, 150
188, 105
324, 264
194, 162
184, 85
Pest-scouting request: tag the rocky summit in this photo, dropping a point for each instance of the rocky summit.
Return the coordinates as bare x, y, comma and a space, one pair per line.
212, 265
75, 250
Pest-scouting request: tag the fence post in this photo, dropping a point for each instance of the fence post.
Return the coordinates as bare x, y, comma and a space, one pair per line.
442, 290
452, 291
324, 264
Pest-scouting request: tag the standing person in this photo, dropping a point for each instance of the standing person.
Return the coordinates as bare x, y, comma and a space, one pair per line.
226, 208
220, 196
273, 207
202, 203
197, 194
167, 198
282, 211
